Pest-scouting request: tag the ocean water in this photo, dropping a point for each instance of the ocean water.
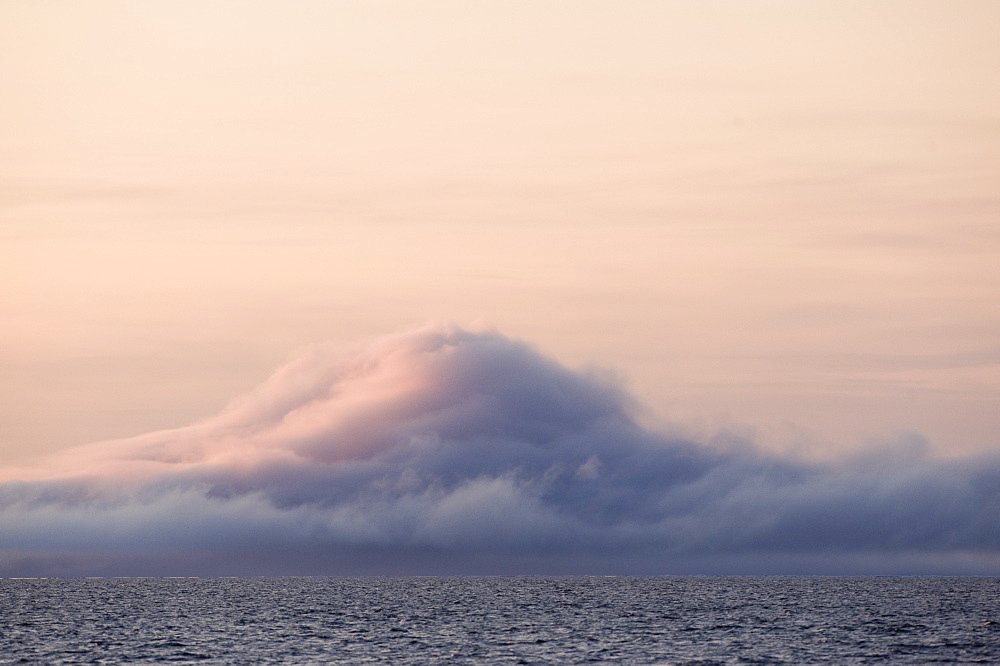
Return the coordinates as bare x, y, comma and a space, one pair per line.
532, 620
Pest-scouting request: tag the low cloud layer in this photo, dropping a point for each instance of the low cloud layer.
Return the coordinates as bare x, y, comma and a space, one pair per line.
445, 451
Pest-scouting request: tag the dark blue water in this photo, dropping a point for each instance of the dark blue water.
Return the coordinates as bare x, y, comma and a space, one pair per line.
578, 620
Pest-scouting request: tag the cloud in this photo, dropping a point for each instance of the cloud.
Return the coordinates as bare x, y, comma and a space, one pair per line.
443, 450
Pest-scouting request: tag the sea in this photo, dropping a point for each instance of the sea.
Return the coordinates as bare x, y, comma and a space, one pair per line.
509, 620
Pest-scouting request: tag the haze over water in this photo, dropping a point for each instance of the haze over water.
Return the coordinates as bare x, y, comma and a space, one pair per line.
450, 451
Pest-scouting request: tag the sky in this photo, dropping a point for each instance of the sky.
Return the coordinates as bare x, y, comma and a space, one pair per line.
750, 236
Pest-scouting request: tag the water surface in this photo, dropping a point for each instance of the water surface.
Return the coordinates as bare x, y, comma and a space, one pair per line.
534, 620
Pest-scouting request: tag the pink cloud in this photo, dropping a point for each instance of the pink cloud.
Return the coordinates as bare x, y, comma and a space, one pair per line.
443, 450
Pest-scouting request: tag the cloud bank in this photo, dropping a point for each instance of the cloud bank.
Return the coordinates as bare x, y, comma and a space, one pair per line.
448, 451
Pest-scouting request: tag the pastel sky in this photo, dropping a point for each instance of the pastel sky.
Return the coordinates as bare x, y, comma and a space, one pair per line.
774, 222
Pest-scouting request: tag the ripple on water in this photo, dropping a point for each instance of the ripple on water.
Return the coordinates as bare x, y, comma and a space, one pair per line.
501, 620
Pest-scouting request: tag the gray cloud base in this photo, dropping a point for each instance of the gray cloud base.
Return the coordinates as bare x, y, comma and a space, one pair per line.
444, 451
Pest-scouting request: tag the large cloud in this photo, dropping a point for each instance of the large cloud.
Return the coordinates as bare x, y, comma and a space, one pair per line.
447, 451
